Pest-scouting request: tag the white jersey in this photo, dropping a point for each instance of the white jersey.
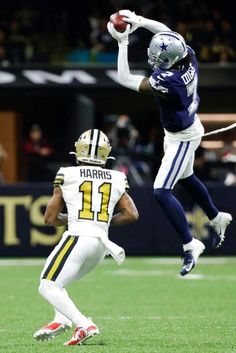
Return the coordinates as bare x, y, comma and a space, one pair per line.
90, 194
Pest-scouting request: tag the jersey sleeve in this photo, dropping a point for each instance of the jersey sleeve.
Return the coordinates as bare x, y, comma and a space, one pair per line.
59, 178
159, 81
126, 183
193, 55
120, 183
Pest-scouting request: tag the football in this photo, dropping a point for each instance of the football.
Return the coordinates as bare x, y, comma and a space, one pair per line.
118, 22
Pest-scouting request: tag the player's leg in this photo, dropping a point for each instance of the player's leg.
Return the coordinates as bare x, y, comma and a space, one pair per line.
59, 299
199, 192
59, 317
93, 252
77, 257
174, 163
62, 267
60, 323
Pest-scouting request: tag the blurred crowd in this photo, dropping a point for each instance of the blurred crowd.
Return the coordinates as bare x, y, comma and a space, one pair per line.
136, 151
58, 32
33, 32
137, 154
38, 153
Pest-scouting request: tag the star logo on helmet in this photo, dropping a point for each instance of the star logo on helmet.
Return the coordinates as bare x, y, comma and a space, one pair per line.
163, 47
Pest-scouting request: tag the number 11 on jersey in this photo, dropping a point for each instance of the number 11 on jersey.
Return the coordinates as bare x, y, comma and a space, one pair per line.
87, 190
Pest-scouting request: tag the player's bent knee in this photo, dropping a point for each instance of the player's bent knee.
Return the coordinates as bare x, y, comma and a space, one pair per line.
45, 286
42, 287
161, 194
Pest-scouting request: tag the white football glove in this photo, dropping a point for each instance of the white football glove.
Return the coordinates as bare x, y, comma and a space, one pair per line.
121, 37
130, 17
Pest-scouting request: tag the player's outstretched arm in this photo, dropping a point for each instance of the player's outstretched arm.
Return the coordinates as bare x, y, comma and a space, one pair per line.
140, 21
53, 215
124, 76
128, 212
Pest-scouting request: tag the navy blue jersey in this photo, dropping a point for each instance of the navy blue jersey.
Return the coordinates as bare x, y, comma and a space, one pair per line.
178, 102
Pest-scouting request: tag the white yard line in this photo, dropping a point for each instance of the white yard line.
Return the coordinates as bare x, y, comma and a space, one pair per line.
181, 320
22, 262
127, 318
169, 273
229, 278
146, 260
139, 273
203, 260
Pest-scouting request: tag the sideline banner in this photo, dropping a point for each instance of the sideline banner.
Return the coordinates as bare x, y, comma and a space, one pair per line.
211, 75
22, 228
60, 78
154, 235
23, 232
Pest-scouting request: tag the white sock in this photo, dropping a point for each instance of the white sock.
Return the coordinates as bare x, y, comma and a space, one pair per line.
59, 299
59, 317
188, 246
215, 220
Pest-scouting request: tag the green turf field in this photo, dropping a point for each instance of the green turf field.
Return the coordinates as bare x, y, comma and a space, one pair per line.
141, 307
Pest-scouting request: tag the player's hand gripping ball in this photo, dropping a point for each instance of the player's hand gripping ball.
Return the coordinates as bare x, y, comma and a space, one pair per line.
118, 22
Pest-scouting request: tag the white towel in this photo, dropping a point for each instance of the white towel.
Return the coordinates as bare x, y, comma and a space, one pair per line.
116, 251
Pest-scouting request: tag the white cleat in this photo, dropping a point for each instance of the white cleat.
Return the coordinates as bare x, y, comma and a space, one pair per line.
191, 255
219, 224
81, 334
50, 331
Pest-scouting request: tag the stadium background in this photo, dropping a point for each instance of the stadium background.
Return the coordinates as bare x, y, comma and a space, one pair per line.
57, 70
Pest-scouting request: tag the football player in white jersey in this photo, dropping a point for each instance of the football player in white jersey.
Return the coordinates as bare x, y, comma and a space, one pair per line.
174, 83
90, 193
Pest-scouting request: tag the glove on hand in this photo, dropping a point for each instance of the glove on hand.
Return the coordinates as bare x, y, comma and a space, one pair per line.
121, 37
130, 17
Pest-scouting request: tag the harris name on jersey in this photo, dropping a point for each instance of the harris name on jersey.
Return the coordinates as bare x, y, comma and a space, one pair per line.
97, 173
93, 173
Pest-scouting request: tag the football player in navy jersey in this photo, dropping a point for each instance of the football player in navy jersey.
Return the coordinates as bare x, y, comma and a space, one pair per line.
174, 83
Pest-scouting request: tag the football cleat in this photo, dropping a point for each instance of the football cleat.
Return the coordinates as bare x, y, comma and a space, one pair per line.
191, 256
50, 331
81, 335
219, 224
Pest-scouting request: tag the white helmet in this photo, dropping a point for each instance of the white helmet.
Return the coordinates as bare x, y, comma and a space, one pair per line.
92, 147
166, 49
